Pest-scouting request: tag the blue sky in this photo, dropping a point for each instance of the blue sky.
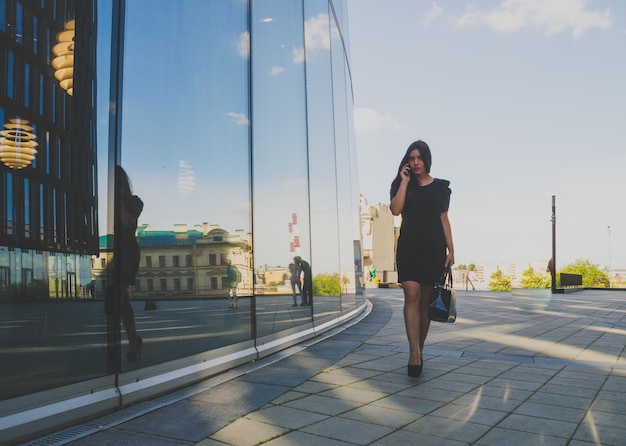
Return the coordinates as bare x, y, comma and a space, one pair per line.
519, 100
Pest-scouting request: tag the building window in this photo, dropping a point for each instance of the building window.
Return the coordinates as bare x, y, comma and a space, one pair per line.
150, 283
190, 283
213, 283
188, 260
223, 259
163, 283
224, 282
212, 259
137, 285
10, 68
176, 284
175, 261
148, 261
162, 261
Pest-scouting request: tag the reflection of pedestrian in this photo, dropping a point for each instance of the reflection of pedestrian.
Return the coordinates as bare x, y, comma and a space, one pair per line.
295, 270
234, 277
425, 243
307, 283
130, 207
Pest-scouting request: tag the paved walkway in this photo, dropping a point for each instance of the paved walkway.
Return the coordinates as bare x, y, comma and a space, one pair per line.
502, 374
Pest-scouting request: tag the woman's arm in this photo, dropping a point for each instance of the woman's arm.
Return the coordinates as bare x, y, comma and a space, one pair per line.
447, 231
397, 201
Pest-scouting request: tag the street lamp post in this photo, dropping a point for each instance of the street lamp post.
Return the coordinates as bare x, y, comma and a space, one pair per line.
553, 259
610, 259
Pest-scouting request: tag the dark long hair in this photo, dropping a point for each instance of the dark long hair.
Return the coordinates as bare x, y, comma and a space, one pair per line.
424, 151
125, 189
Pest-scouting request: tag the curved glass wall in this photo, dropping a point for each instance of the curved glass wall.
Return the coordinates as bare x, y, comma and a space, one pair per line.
172, 175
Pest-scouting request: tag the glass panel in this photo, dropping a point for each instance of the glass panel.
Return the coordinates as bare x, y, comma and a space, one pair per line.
344, 169
322, 166
47, 338
281, 200
186, 150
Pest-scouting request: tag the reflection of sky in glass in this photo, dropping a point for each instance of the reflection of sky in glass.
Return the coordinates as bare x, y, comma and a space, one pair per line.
279, 131
186, 120
185, 127
324, 231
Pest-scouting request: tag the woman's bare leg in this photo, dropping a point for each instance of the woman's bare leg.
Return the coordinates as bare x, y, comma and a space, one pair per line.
426, 297
128, 317
413, 320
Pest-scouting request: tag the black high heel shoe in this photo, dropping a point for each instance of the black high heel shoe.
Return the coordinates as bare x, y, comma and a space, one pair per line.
134, 350
414, 371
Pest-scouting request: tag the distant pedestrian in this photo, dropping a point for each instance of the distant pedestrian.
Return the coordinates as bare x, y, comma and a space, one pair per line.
425, 245
234, 277
307, 283
295, 272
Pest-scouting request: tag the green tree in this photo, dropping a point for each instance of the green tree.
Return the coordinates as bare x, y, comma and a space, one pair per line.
499, 282
530, 279
593, 275
326, 285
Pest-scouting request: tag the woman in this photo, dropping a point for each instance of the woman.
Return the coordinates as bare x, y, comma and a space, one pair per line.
129, 211
425, 245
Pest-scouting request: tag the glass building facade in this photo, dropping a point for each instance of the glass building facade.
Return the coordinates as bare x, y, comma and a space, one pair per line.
232, 122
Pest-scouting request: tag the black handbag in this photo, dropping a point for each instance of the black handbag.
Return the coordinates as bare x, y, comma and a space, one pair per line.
443, 306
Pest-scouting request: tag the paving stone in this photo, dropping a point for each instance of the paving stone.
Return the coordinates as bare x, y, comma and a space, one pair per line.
551, 412
354, 394
605, 435
323, 405
381, 415
472, 414
500, 437
539, 425
288, 417
246, 432
348, 430
448, 428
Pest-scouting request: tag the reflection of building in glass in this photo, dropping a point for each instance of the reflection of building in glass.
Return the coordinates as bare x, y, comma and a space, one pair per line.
252, 145
182, 263
294, 236
48, 214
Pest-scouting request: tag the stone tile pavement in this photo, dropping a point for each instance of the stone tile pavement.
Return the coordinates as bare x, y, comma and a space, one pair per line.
504, 373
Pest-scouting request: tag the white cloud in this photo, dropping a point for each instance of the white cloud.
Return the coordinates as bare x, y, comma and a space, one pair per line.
434, 12
316, 33
553, 16
186, 179
317, 36
277, 70
368, 120
295, 182
238, 118
298, 55
243, 46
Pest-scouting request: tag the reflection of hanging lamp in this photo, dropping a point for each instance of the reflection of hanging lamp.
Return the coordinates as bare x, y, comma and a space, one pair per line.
64, 62
17, 144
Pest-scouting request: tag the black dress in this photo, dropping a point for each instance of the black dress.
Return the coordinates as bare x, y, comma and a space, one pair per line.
421, 252
129, 250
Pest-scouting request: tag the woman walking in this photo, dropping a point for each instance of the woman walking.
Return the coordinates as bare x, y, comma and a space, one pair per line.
425, 245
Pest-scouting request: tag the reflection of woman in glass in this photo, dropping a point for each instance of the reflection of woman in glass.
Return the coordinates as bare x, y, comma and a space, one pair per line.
130, 207
425, 243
